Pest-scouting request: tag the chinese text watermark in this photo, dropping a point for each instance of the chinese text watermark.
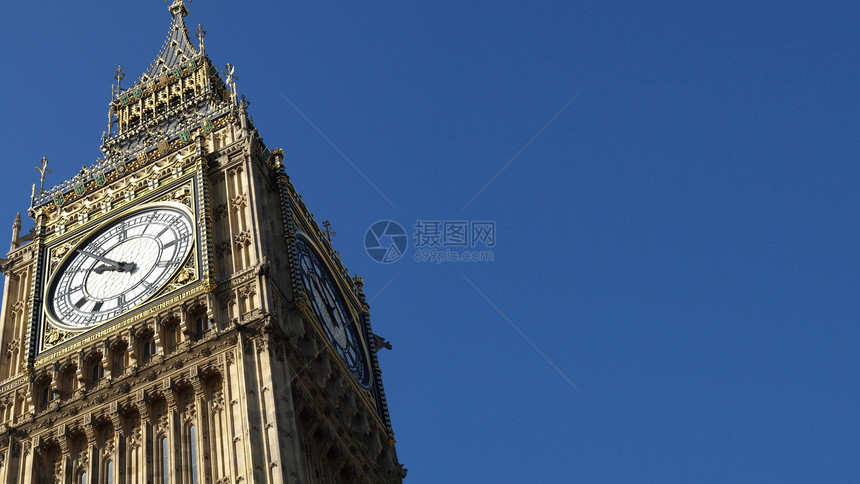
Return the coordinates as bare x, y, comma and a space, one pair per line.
436, 241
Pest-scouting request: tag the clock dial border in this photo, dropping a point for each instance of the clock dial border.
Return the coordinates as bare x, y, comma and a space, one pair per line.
191, 262
85, 291
353, 316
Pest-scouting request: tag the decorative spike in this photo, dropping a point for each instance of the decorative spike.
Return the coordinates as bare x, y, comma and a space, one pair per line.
201, 34
16, 230
43, 170
119, 76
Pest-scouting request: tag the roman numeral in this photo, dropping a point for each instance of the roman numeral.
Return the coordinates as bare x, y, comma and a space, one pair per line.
81, 302
95, 246
98, 306
172, 242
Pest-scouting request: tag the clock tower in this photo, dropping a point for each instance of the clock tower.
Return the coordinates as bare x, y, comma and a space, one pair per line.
177, 316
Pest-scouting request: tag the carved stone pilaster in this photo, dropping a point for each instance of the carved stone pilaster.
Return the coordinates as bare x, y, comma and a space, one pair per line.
89, 428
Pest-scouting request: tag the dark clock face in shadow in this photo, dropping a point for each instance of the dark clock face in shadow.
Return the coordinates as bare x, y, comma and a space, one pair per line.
329, 306
119, 267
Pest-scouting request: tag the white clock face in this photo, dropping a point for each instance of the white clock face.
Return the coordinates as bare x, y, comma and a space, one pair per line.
120, 267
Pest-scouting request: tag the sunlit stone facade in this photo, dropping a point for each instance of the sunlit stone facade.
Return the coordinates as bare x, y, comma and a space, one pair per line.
245, 357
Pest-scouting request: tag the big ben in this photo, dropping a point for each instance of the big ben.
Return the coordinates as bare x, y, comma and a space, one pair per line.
177, 316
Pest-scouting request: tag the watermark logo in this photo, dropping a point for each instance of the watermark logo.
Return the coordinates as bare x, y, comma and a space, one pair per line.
385, 241
436, 241
449, 240
455, 233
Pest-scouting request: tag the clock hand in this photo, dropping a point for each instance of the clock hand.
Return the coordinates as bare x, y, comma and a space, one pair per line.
107, 261
124, 267
100, 269
111, 264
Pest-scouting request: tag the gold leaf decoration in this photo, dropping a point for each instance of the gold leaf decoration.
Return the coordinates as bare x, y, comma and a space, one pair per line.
54, 336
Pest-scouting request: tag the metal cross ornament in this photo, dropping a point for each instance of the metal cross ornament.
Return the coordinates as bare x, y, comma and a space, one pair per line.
201, 34
43, 170
231, 79
119, 76
328, 231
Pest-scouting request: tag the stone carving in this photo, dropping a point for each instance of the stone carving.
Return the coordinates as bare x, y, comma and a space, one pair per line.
239, 202
247, 290
12, 347
262, 345
18, 307
242, 239
54, 336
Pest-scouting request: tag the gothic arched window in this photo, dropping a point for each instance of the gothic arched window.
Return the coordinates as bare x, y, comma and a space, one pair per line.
109, 472
192, 453
165, 461
171, 337
147, 347
97, 372
200, 321
119, 359
68, 380
43, 393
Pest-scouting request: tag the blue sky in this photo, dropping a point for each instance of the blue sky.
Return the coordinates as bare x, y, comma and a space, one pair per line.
673, 295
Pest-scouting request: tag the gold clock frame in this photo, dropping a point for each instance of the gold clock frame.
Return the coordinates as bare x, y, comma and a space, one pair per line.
53, 341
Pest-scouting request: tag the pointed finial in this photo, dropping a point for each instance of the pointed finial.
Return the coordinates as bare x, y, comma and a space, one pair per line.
201, 34
358, 282
328, 232
231, 79
118, 76
16, 231
43, 170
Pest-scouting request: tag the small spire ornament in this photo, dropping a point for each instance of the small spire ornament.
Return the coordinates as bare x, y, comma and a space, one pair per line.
328, 231
118, 76
43, 170
231, 80
201, 34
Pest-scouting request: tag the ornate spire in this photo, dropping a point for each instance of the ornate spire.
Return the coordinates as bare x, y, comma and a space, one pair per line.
177, 48
151, 116
178, 8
